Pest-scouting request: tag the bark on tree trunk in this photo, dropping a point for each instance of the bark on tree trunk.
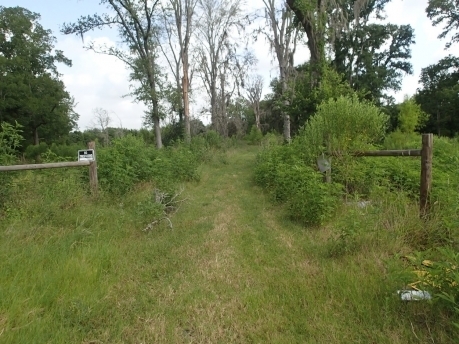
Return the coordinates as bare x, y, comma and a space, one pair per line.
36, 140
223, 117
155, 112
256, 110
314, 36
157, 127
285, 115
213, 108
186, 105
186, 100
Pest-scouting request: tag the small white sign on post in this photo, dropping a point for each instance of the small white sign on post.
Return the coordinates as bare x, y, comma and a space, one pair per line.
86, 155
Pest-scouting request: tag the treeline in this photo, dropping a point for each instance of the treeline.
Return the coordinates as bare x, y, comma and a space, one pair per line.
353, 50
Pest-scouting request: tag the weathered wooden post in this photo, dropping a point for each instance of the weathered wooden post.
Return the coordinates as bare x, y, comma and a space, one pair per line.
93, 182
426, 174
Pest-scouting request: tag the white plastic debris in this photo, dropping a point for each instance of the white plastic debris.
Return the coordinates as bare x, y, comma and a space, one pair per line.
414, 295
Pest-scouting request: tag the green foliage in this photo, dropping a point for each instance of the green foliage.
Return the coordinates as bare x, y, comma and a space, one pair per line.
411, 117
129, 161
213, 139
271, 139
32, 93
380, 69
445, 12
343, 125
304, 97
10, 141
437, 271
438, 96
255, 136
288, 180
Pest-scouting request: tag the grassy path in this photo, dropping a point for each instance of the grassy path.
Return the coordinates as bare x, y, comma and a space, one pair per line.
233, 270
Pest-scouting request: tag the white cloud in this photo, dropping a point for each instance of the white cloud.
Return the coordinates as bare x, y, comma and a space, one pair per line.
97, 80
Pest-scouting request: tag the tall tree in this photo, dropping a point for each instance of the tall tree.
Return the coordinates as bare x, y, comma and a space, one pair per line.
445, 12
137, 25
373, 56
282, 37
31, 92
254, 91
439, 96
217, 52
321, 20
101, 121
179, 20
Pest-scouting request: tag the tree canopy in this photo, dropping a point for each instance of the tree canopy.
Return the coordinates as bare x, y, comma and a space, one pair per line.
31, 91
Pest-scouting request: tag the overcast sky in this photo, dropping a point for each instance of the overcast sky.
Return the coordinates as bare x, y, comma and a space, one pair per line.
102, 81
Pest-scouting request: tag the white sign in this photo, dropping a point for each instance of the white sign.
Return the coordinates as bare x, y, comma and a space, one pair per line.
86, 155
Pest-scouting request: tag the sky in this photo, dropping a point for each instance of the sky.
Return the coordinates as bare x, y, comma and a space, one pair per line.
99, 81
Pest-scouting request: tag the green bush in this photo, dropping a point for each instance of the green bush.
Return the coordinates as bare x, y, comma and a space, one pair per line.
10, 141
342, 125
309, 200
271, 139
255, 135
213, 139
129, 161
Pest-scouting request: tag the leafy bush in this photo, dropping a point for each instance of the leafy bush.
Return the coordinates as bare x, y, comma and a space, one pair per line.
10, 141
129, 161
308, 199
213, 139
255, 135
271, 139
342, 125
67, 152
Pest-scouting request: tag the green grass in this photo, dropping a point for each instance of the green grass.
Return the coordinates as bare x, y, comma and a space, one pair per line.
233, 269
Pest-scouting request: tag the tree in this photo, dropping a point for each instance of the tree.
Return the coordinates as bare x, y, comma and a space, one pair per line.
410, 117
183, 15
217, 53
254, 90
439, 96
445, 12
102, 121
138, 27
282, 38
30, 90
306, 98
321, 20
372, 56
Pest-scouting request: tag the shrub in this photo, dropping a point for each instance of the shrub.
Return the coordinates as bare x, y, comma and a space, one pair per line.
309, 200
10, 141
255, 135
129, 161
213, 139
343, 125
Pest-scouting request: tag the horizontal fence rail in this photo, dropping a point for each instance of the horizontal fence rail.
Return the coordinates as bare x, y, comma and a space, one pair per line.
93, 181
426, 154
383, 153
404, 152
44, 166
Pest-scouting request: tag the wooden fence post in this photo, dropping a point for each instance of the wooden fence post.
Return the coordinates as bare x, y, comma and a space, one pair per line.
426, 174
93, 182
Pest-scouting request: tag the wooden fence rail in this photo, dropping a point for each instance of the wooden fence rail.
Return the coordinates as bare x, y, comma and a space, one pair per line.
44, 166
426, 154
93, 182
